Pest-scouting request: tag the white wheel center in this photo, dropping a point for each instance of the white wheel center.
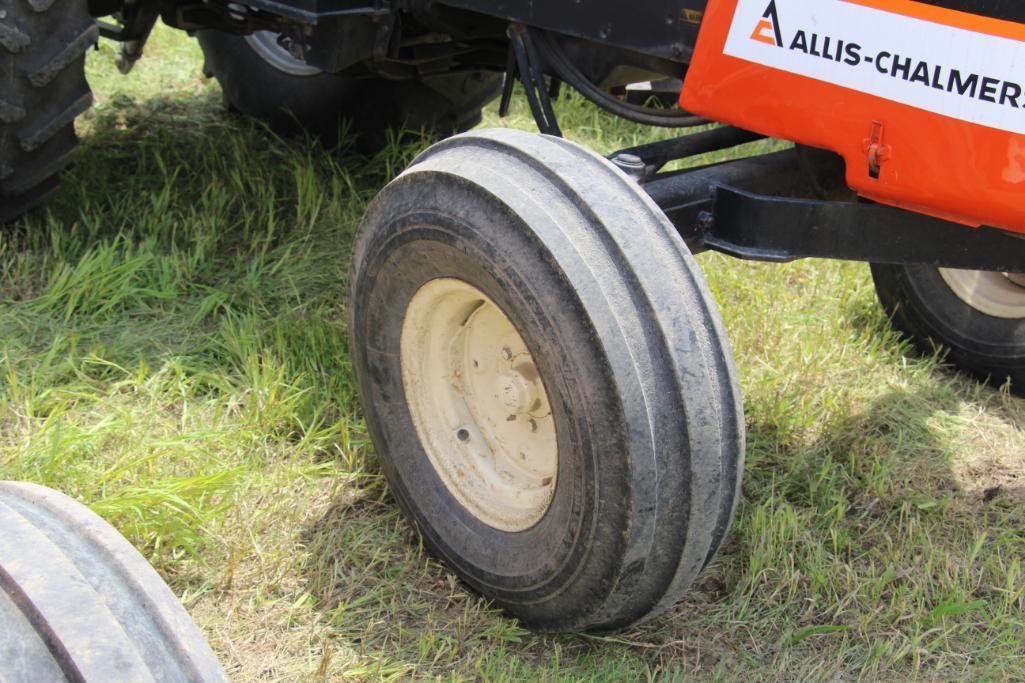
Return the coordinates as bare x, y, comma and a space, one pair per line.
516, 393
479, 404
1001, 295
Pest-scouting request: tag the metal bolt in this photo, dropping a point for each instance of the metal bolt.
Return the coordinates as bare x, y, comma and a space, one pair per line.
706, 221
631, 164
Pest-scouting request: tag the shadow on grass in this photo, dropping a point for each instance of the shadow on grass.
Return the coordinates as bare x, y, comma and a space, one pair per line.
875, 492
400, 612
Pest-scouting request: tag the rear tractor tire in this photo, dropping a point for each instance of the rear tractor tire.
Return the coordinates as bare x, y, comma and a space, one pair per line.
978, 316
78, 603
546, 379
262, 80
42, 67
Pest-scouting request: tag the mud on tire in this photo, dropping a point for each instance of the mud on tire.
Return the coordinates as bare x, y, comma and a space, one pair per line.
42, 68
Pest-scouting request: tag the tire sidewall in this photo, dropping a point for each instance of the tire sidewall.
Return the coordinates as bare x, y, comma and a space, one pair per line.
423, 241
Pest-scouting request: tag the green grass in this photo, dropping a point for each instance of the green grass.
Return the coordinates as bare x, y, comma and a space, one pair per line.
173, 353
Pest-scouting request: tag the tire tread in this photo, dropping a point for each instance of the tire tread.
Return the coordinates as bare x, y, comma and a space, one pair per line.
102, 611
44, 52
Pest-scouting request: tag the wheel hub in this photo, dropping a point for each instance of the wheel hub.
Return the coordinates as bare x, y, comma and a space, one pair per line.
479, 404
1001, 295
267, 44
515, 392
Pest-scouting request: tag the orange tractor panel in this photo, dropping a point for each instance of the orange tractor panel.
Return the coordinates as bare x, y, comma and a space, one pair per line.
925, 104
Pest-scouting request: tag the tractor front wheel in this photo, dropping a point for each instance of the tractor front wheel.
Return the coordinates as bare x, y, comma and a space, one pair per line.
546, 379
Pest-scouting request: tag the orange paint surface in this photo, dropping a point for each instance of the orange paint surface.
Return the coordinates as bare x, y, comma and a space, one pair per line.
931, 163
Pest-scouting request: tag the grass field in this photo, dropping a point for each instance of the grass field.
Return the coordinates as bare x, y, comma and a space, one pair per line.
173, 353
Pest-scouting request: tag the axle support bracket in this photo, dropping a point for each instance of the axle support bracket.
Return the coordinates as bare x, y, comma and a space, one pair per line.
779, 229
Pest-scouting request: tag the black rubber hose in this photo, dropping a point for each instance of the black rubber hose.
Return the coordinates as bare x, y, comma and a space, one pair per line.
569, 73
533, 82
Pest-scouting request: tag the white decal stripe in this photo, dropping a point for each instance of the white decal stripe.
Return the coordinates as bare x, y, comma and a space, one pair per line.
989, 69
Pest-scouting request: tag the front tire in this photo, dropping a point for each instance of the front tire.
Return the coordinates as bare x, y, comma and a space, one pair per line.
261, 80
507, 278
978, 316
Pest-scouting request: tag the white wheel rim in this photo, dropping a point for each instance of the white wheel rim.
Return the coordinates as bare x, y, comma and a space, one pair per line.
479, 404
1001, 295
265, 44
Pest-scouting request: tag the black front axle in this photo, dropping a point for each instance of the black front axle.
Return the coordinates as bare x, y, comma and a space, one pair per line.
784, 206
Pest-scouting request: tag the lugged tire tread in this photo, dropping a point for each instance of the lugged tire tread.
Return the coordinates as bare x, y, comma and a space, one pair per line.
53, 66
24, 182
12, 39
12, 208
10, 112
44, 54
34, 139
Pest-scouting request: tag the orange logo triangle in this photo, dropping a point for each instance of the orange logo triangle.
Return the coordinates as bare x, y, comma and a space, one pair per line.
764, 33
767, 31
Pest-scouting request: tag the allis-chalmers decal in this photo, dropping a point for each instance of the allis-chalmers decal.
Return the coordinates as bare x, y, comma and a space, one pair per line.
967, 67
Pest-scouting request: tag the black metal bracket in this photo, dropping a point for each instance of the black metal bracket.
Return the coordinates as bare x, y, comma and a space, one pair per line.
133, 23
778, 229
757, 208
137, 23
